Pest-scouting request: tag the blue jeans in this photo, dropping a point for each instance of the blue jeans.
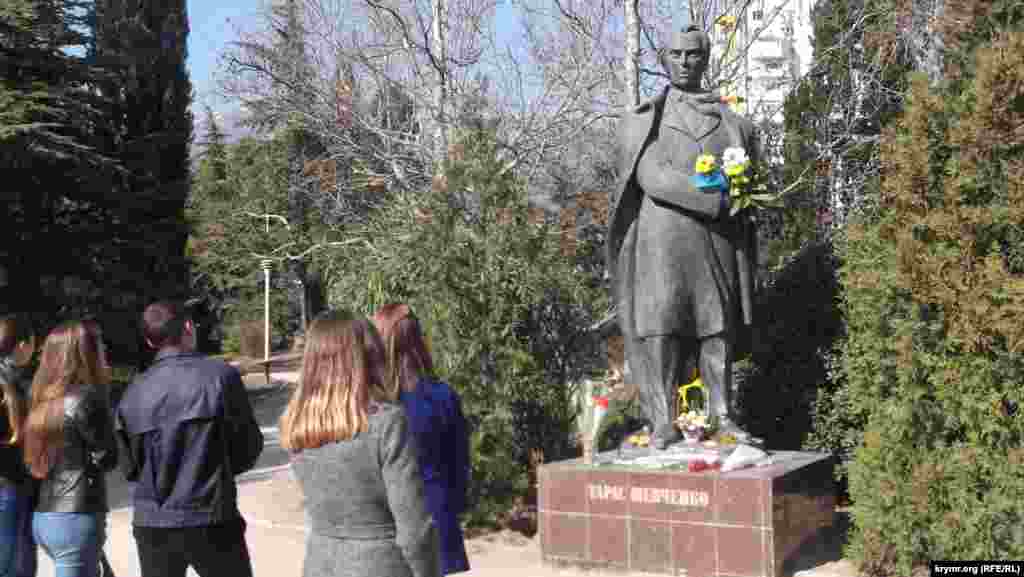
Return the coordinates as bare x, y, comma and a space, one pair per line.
73, 540
17, 548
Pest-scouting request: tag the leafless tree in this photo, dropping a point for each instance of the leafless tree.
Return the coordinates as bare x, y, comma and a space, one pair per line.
542, 92
859, 84
632, 51
385, 82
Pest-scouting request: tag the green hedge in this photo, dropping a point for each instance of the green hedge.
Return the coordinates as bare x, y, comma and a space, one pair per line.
934, 299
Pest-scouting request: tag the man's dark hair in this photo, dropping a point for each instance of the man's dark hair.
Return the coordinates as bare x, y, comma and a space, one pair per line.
163, 323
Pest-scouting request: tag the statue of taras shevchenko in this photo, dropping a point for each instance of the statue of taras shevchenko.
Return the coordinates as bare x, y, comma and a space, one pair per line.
683, 268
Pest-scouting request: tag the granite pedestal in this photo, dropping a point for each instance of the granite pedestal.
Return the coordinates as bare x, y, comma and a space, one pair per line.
743, 523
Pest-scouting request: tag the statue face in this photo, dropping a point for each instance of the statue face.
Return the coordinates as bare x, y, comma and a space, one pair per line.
687, 61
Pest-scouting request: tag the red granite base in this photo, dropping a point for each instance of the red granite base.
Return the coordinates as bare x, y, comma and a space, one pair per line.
743, 523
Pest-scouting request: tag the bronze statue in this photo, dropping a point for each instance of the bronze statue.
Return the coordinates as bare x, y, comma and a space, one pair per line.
683, 268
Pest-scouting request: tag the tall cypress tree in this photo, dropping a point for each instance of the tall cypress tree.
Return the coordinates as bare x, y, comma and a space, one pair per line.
213, 168
150, 129
304, 149
283, 69
57, 172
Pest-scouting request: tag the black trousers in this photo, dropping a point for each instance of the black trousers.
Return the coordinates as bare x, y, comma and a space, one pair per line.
660, 365
212, 550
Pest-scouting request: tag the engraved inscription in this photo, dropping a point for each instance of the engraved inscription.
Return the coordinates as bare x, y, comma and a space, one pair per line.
602, 492
677, 497
649, 495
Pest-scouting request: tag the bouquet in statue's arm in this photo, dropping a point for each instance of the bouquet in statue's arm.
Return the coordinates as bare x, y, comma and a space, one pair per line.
709, 179
746, 187
736, 181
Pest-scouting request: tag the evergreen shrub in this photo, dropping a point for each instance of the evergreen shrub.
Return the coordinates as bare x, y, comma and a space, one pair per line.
506, 313
934, 299
623, 418
798, 321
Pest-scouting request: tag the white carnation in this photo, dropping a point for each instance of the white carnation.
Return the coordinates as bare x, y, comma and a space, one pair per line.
734, 156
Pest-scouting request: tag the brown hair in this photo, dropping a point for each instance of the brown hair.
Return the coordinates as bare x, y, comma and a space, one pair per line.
163, 323
72, 357
11, 401
342, 369
408, 357
8, 335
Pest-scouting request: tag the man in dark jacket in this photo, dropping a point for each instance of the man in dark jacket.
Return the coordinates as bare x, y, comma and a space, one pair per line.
187, 429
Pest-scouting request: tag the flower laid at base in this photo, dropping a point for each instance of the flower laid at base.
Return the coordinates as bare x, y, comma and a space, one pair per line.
600, 410
692, 419
641, 439
694, 458
701, 465
693, 425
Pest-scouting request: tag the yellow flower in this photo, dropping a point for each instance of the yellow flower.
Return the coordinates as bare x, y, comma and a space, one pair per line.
727, 21
705, 164
734, 170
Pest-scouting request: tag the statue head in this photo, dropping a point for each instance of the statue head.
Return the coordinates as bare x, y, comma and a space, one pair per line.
687, 58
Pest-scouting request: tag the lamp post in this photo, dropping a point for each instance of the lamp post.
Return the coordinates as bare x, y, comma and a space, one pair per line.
266, 308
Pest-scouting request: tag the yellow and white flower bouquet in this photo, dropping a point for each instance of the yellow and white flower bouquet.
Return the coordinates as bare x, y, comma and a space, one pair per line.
746, 188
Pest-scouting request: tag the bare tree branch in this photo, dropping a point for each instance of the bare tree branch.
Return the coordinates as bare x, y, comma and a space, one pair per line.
302, 255
276, 217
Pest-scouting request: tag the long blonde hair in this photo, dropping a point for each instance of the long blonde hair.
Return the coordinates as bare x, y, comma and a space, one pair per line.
72, 357
408, 356
12, 402
342, 370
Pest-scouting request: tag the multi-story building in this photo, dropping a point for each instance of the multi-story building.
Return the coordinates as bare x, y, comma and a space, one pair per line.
760, 49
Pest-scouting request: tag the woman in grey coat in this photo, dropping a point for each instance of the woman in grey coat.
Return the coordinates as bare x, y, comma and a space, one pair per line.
355, 460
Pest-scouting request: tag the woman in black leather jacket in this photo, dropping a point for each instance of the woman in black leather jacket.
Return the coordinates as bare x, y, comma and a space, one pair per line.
69, 444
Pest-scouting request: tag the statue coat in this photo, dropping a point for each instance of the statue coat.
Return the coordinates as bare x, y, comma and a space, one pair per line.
680, 265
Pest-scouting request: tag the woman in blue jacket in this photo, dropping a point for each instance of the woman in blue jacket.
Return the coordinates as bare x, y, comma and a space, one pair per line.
435, 417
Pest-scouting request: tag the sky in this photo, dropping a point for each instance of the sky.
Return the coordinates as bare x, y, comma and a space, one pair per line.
215, 23
212, 25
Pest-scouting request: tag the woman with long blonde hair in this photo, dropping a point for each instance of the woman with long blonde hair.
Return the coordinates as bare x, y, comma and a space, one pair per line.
435, 416
69, 445
17, 550
353, 456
